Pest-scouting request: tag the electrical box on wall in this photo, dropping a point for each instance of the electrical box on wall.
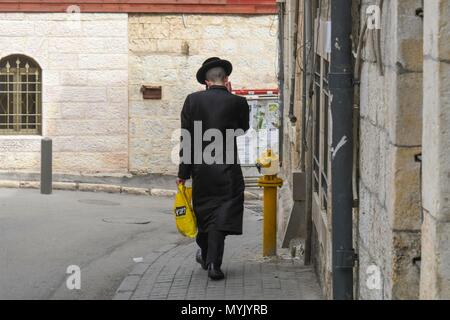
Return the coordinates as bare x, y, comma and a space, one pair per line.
298, 186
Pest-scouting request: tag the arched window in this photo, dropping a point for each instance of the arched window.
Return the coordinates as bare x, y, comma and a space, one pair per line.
20, 96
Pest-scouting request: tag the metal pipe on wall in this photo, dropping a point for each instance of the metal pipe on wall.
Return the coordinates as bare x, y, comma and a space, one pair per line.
280, 4
306, 152
341, 89
304, 66
291, 115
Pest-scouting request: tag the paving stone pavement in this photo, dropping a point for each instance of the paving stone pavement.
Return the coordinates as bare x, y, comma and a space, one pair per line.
171, 273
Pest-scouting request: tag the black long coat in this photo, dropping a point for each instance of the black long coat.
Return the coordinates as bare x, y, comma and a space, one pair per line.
218, 187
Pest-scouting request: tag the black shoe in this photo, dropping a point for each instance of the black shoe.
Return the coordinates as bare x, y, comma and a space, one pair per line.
199, 259
215, 273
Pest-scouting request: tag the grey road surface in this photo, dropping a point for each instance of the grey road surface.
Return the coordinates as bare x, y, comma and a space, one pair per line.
41, 236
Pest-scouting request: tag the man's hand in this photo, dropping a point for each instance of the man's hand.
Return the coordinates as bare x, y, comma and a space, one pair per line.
180, 181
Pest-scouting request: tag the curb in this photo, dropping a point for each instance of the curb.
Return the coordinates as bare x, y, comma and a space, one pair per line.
108, 188
129, 284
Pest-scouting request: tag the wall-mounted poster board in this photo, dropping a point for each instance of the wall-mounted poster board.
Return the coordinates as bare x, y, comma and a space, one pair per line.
264, 125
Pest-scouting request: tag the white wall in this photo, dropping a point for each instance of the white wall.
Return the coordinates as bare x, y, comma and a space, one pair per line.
84, 60
157, 58
93, 69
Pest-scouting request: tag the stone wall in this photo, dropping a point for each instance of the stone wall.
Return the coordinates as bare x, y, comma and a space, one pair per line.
94, 66
387, 224
435, 275
84, 61
300, 212
167, 50
402, 243
290, 138
390, 137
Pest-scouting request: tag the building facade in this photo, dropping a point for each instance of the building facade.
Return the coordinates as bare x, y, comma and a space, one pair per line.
400, 181
77, 74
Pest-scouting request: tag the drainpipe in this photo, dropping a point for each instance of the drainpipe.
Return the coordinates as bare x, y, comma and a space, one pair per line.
307, 47
341, 89
280, 4
304, 77
291, 115
306, 159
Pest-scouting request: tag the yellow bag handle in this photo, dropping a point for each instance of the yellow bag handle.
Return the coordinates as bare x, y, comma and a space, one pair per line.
182, 189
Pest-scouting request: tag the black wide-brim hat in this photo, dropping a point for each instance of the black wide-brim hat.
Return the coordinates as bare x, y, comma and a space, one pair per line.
212, 63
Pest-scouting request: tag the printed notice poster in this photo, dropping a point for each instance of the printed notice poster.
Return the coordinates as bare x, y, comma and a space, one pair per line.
264, 130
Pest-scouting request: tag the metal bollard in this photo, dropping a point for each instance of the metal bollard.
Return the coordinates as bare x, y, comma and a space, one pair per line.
46, 166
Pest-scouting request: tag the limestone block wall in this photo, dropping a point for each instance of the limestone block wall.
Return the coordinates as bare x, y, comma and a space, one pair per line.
435, 275
290, 137
390, 136
167, 50
84, 61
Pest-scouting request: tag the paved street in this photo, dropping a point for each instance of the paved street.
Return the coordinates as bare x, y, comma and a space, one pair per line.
41, 236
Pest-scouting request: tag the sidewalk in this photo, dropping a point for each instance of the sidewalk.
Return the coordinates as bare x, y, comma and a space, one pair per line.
150, 184
172, 273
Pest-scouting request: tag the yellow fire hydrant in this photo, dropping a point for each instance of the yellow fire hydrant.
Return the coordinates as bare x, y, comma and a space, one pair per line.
268, 166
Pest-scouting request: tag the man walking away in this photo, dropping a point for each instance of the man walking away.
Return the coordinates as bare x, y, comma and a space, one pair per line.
218, 186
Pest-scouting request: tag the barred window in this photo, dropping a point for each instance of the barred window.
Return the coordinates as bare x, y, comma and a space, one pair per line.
20, 96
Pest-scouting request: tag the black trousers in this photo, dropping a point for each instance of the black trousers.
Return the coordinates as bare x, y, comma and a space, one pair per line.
212, 244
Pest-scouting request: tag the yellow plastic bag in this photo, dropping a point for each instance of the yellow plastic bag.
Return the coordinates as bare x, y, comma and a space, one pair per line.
184, 215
